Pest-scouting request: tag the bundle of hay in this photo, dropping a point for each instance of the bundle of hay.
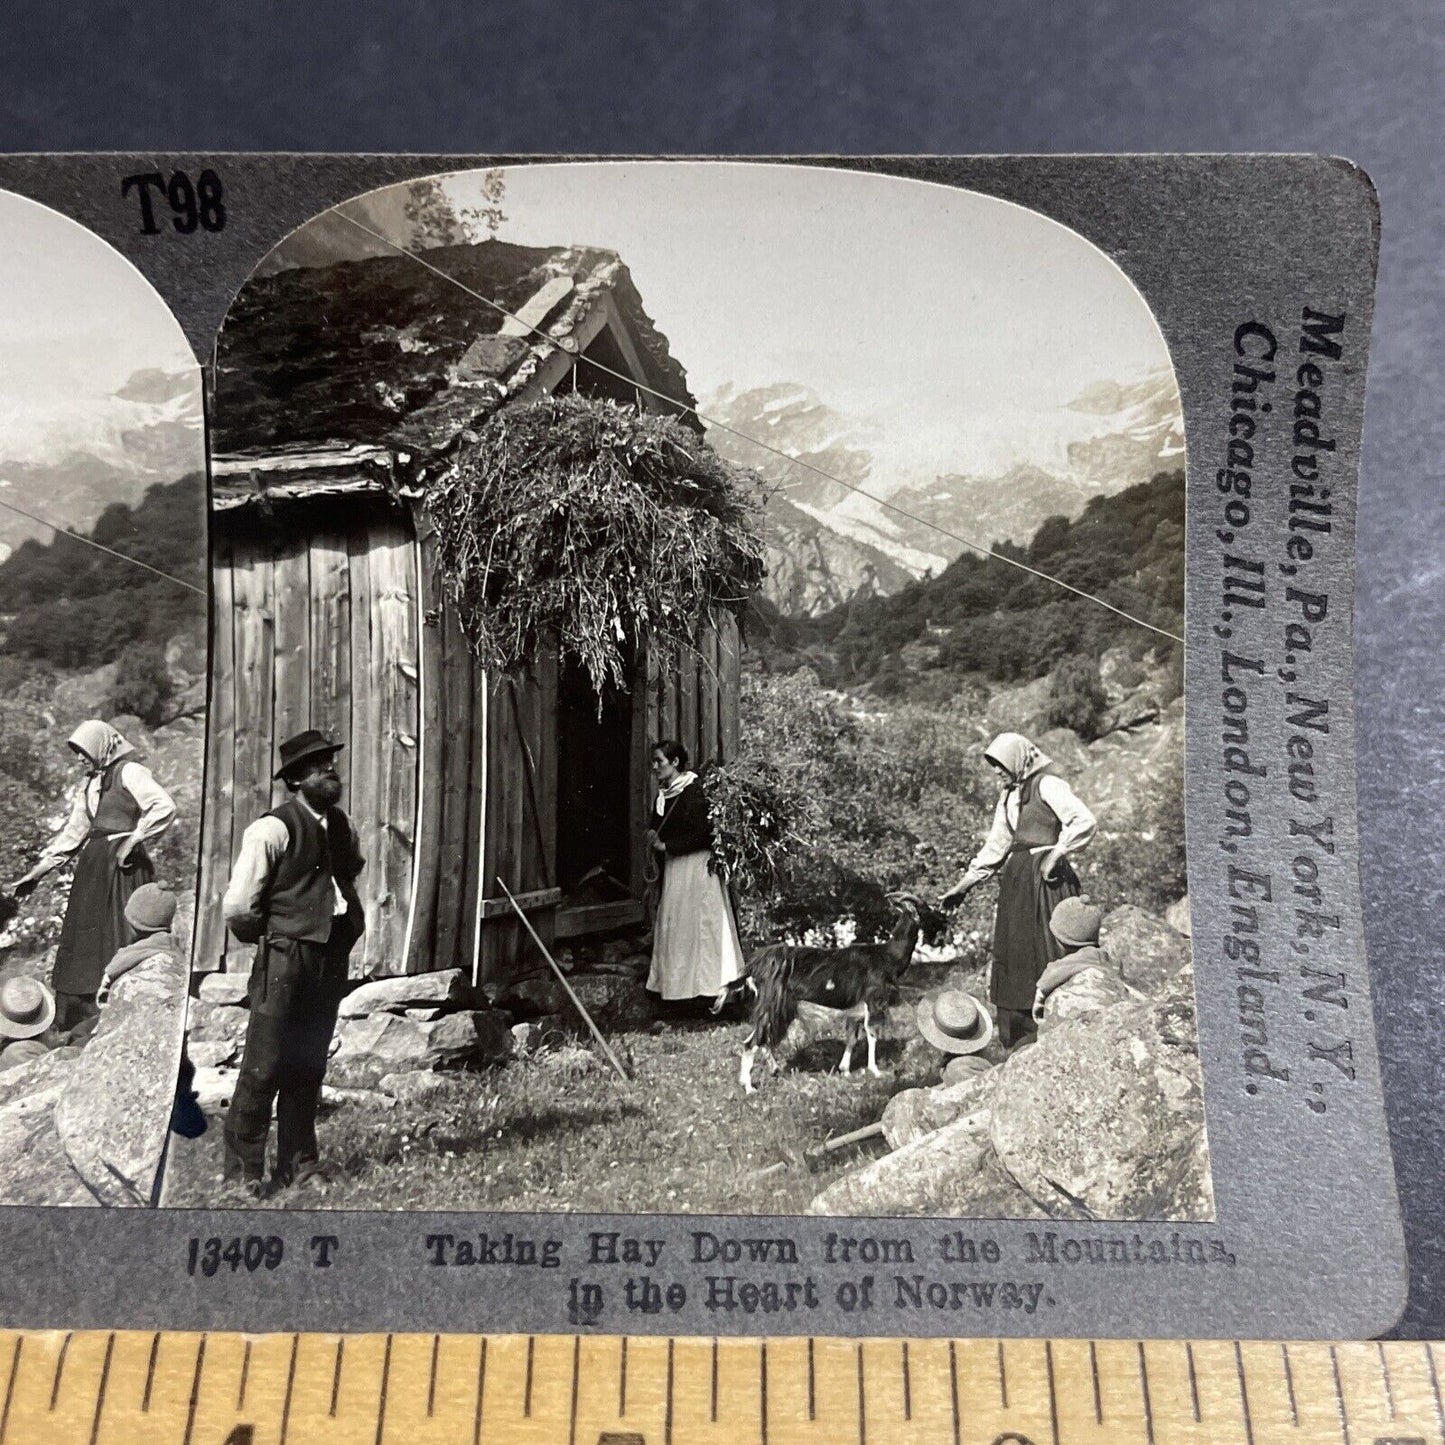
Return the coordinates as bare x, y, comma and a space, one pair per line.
595, 525
760, 821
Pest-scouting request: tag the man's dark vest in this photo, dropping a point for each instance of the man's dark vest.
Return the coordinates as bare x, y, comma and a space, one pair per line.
300, 902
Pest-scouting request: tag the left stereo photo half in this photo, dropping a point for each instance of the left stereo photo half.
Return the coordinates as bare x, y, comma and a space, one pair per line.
102, 713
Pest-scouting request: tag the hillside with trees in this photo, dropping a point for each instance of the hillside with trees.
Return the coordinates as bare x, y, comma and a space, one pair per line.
983, 618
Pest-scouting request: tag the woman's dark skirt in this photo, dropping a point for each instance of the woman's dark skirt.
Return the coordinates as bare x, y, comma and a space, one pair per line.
95, 925
1023, 945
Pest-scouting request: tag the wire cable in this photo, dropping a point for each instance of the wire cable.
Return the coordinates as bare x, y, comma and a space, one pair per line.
723, 426
101, 547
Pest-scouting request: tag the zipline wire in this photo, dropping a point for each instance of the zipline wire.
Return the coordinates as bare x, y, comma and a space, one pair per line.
101, 547
723, 426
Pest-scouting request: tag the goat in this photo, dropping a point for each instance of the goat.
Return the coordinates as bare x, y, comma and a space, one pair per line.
858, 981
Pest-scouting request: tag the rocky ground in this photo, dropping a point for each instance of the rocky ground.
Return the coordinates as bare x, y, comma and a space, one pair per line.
440, 1098
1101, 1118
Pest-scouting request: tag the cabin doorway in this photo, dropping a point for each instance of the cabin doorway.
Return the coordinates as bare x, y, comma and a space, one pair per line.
594, 803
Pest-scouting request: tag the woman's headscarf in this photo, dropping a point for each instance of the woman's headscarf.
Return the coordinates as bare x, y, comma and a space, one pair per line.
100, 743
1016, 755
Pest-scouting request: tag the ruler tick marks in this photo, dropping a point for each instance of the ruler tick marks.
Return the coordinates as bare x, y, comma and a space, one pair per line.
290, 1388
481, 1383
1339, 1394
862, 1401
145, 1399
245, 1375
668, 1419
907, 1383
812, 1402
15, 1370
622, 1383
576, 1371
1385, 1378
1434, 1387
1094, 1370
1243, 1394
385, 1384
59, 1369
1054, 1394
527, 1391
431, 1384
1144, 1393
953, 1386
1289, 1384
1002, 1377
714, 1379
763, 1390
195, 1392
100, 1393
336, 1377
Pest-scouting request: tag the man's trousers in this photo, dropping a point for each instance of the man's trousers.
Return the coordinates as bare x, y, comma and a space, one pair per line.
295, 991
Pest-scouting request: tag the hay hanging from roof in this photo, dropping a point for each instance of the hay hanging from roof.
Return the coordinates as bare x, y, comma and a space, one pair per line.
590, 523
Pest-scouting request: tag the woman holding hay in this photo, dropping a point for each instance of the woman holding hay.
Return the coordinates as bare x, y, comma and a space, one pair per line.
1037, 823
695, 946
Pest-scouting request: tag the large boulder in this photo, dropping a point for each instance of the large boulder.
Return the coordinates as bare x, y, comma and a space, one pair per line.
534, 997
34, 1168
448, 988
950, 1172
1103, 1117
1090, 991
385, 1043
45, 1072
222, 1023
1020, 709
617, 1004
1147, 952
915, 1112
1177, 916
1123, 774
225, 988
115, 1109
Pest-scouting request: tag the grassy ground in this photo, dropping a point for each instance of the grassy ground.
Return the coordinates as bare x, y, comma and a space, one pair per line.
560, 1131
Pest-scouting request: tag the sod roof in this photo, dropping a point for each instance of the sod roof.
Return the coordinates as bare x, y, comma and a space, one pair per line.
383, 352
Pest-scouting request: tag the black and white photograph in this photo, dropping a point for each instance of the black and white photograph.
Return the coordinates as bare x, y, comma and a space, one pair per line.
102, 713
696, 710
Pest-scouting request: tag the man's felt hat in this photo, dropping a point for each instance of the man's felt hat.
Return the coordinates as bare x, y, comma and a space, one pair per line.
27, 1007
954, 1021
303, 748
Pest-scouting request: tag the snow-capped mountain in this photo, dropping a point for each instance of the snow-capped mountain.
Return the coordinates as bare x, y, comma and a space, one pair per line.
1032, 467
65, 456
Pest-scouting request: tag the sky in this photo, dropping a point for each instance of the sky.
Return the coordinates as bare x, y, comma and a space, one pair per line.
77, 321
957, 326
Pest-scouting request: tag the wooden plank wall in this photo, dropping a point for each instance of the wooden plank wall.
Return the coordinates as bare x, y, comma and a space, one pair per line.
209, 936
520, 839
697, 702
315, 630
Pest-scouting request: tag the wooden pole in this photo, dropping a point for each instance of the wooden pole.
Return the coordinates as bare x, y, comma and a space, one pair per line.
841, 1141
562, 979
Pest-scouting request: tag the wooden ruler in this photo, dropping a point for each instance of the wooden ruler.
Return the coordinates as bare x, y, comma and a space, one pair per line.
225, 1389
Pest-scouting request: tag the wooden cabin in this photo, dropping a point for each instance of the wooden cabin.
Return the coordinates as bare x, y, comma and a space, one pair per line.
337, 392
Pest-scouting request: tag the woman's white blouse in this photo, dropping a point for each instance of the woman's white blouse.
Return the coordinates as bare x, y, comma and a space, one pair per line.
1076, 826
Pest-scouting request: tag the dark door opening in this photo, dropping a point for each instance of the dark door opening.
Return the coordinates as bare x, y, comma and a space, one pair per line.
594, 769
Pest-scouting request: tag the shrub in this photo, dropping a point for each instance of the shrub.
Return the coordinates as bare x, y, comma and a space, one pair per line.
1076, 697
142, 683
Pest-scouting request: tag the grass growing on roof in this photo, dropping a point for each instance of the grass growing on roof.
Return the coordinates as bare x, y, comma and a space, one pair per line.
595, 524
